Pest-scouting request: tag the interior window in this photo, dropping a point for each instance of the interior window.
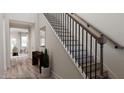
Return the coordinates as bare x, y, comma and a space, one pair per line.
13, 43
24, 41
42, 38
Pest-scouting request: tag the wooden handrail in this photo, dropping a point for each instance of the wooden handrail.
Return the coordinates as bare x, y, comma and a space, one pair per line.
116, 44
97, 35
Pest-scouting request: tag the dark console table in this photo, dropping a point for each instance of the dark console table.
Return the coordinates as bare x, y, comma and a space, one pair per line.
37, 59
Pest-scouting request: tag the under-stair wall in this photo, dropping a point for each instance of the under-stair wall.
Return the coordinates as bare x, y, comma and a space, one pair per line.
62, 66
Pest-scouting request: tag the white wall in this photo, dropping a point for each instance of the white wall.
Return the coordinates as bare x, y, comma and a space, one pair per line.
61, 64
1, 47
7, 41
37, 33
42, 24
111, 25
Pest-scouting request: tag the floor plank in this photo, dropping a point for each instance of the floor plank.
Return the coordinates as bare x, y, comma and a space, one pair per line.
22, 68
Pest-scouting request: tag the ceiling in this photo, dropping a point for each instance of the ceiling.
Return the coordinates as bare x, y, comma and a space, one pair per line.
20, 24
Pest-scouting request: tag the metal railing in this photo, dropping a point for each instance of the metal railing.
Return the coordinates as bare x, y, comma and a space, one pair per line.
84, 45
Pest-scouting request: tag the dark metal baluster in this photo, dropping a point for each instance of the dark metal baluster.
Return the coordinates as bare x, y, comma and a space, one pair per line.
61, 31
56, 20
57, 25
68, 32
59, 19
60, 24
82, 66
79, 45
59, 34
75, 42
73, 38
70, 36
91, 56
86, 51
61, 28
65, 29
101, 58
95, 58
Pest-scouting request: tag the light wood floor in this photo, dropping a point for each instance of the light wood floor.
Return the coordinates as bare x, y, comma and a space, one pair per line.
22, 68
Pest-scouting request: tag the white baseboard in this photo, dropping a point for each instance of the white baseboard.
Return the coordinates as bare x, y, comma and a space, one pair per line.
55, 75
111, 74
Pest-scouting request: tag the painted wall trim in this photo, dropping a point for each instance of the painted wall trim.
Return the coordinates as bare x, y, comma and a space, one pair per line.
56, 76
110, 72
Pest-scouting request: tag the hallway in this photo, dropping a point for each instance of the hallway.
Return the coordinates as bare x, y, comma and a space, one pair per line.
22, 68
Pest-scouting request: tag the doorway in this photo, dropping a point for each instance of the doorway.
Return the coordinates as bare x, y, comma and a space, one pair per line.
19, 44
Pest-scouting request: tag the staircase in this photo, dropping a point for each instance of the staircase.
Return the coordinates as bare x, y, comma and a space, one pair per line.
84, 45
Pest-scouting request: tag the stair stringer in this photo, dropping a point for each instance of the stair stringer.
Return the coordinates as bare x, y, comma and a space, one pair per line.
64, 48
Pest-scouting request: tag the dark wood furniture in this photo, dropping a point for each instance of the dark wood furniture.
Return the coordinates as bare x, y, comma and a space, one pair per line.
37, 59
15, 54
35, 55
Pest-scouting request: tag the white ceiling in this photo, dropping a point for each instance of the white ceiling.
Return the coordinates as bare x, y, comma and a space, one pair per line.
20, 24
